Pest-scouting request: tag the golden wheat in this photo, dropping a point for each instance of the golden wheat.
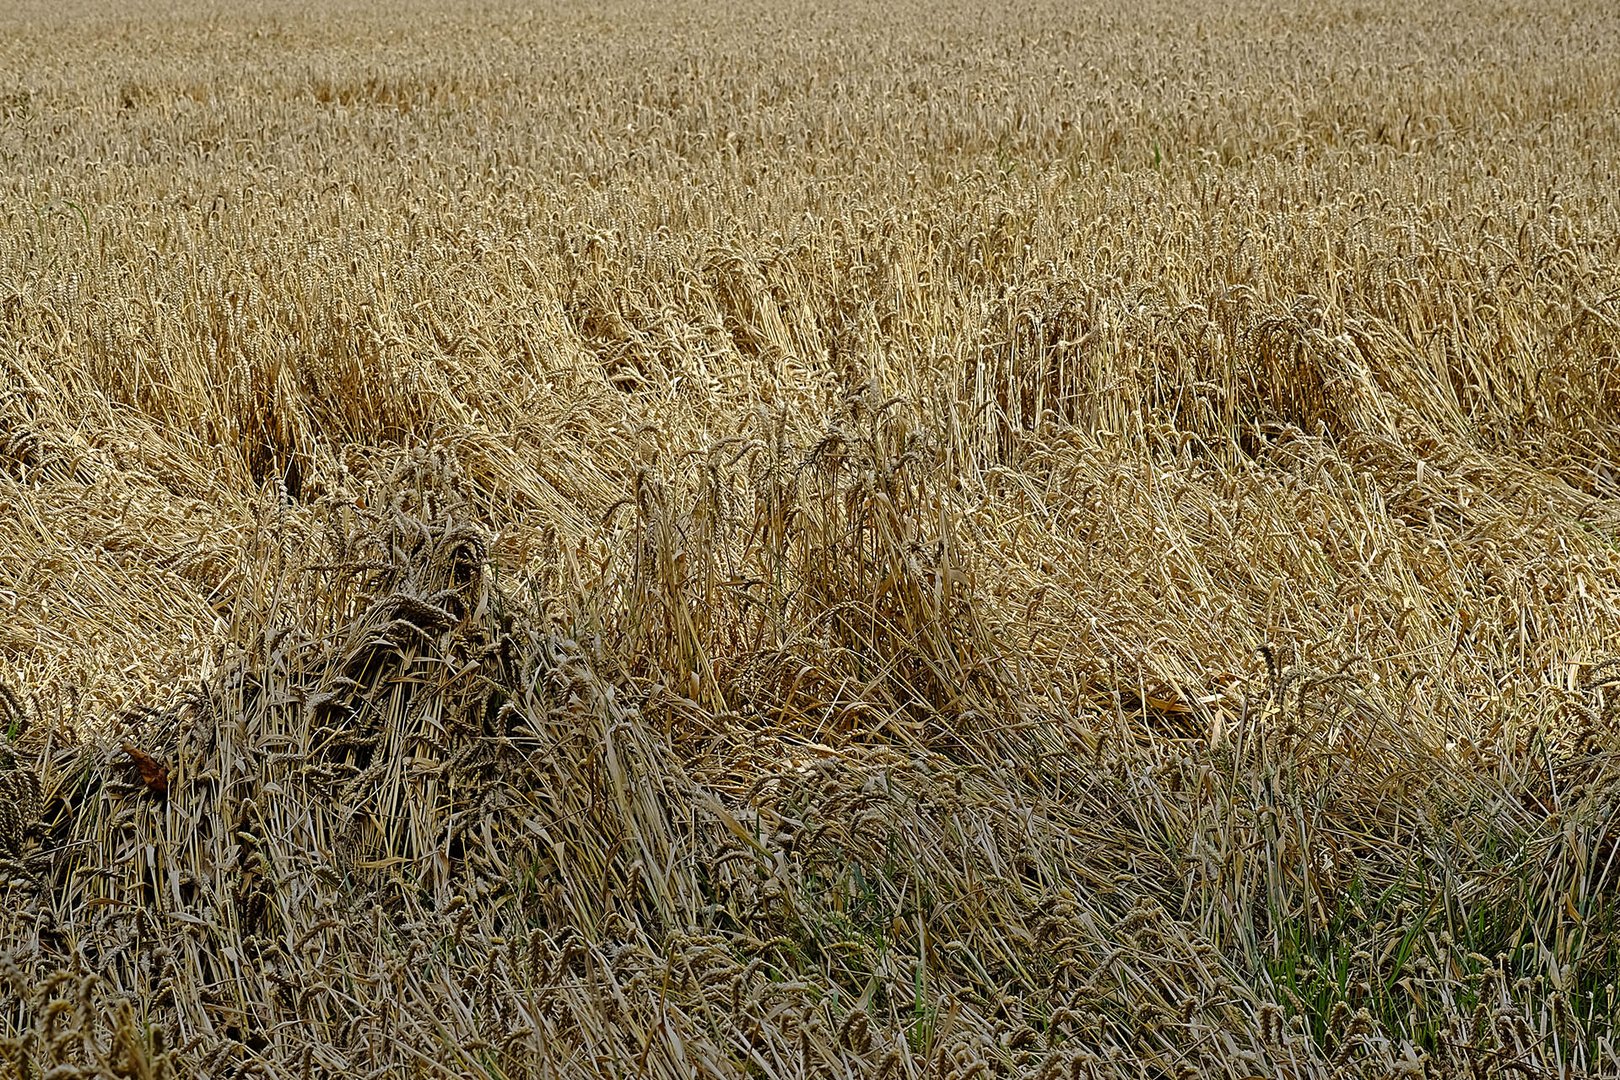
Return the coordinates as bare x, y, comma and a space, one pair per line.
887, 539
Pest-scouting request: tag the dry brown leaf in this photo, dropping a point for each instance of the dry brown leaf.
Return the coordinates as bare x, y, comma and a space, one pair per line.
154, 774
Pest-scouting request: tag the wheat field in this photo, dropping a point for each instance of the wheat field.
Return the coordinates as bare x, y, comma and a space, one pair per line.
895, 540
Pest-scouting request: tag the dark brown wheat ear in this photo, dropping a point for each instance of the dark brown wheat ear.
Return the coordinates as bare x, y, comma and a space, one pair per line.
19, 799
19, 783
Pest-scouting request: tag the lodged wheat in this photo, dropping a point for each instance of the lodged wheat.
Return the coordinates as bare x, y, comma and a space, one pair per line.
873, 539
